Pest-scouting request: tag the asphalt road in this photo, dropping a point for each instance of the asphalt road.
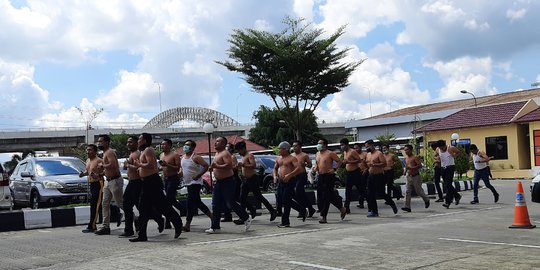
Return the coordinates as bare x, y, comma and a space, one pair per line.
462, 237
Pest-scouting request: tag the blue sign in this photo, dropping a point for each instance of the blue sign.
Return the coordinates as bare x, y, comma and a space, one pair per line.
520, 197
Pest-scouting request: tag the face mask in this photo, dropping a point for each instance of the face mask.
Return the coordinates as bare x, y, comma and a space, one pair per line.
100, 147
319, 147
186, 148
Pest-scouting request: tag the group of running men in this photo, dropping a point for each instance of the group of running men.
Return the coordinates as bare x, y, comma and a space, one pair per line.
233, 179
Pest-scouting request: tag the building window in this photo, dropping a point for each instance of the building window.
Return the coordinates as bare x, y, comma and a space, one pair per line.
497, 147
536, 147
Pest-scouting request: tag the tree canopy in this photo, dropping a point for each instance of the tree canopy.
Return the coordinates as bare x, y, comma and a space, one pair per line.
270, 129
295, 67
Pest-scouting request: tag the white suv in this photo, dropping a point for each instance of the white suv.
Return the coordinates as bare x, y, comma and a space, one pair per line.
6, 202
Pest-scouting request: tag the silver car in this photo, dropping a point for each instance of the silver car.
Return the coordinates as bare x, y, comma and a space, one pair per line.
39, 181
5, 194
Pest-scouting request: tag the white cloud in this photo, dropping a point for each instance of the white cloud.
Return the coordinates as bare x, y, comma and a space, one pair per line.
304, 9
515, 15
471, 74
22, 99
474, 25
379, 85
135, 91
444, 10
359, 18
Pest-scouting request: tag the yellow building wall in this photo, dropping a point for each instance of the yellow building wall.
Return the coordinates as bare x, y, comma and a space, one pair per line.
517, 164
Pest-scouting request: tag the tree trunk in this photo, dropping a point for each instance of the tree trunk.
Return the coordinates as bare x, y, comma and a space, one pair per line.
298, 135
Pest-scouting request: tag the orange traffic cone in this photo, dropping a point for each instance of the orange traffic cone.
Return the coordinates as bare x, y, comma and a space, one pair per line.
521, 215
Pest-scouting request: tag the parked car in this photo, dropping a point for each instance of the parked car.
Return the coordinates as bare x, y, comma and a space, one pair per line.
39, 181
6, 202
535, 188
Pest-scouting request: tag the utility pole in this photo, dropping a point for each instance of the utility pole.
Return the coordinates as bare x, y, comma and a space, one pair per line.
88, 116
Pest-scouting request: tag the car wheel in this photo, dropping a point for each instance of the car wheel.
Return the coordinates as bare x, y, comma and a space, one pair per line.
34, 200
205, 189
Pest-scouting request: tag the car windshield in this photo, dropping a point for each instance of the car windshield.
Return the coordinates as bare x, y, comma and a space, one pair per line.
58, 167
268, 162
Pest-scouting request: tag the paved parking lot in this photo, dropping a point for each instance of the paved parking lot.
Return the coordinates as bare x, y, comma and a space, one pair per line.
462, 237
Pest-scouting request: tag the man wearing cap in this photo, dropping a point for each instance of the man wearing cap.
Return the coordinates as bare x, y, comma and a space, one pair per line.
324, 166
285, 170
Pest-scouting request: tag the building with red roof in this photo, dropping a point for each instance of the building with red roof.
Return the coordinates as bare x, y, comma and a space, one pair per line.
504, 131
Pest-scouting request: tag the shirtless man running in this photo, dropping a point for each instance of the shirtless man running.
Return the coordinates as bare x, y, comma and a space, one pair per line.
286, 169
325, 186
95, 178
114, 186
376, 181
152, 196
302, 178
365, 173
170, 165
223, 194
351, 160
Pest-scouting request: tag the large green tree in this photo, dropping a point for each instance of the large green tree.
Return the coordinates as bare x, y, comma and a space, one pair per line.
270, 128
295, 67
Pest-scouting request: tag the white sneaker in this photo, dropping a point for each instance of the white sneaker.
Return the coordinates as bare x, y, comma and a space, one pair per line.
247, 223
212, 231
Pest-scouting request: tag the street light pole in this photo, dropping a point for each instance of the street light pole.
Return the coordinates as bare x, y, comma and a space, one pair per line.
159, 91
208, 128
467, 92
89, 116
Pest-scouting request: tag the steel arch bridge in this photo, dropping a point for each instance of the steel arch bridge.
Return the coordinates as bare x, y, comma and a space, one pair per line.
196, 114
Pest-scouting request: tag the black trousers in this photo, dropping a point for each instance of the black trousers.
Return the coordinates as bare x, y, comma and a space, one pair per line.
327, 193
152, 197
448, 180
252, 185
353, 180
300, 191
376, 184
95, 203
289, 201
194, 202
132, 197
227, 214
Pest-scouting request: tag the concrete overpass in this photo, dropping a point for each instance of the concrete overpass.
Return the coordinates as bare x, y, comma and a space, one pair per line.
60, 138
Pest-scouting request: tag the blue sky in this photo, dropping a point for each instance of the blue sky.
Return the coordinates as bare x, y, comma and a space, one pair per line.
56, 56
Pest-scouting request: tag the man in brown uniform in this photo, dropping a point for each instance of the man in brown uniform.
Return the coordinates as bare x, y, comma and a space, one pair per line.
114, 186
95, 179
437, 172
376, 181
414, 181
351, 160
285, 170
223, 193
152, 196
324, 166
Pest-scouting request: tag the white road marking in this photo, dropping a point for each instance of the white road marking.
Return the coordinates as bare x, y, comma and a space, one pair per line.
315, 265
258, 237
488, 243
466, 211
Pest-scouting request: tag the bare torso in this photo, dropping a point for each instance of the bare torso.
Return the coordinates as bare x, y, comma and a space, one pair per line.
148, 163
389, 161
352, 158
325, 161
170, 163
132, 171
248, 165
224, 160
303, 161
376, 162
94, 169
286, 165
413, 165
110, 164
